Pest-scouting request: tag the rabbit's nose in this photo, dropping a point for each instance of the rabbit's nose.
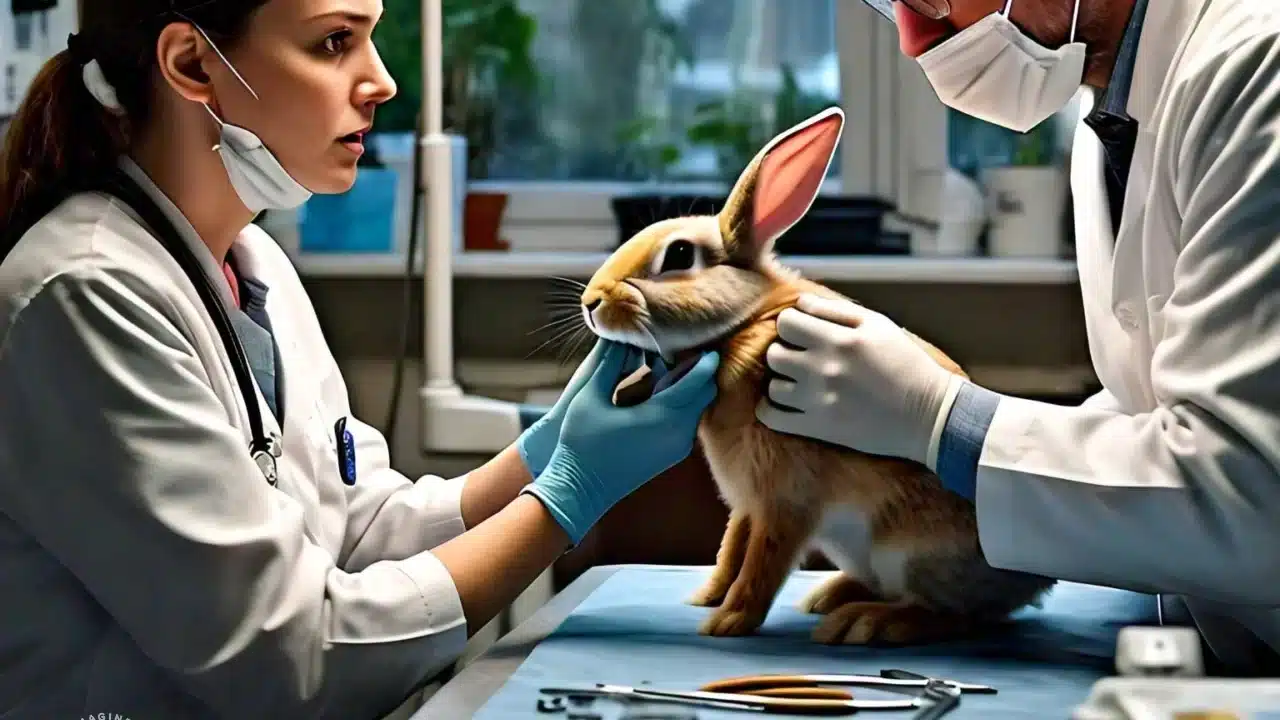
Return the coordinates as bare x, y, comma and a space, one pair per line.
591, 306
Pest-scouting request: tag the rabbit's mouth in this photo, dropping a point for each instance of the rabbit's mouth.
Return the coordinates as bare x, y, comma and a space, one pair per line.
629, 332
675, 346
673, 350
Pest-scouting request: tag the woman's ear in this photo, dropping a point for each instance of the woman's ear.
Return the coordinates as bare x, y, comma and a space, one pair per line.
180, 56
780, 185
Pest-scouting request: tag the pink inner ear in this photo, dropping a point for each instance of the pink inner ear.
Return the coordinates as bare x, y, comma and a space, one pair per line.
790, 176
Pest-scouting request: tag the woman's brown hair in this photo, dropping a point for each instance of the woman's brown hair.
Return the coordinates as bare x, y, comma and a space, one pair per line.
62, 139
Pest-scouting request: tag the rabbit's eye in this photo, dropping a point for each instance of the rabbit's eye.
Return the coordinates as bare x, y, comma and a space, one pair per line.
679, 255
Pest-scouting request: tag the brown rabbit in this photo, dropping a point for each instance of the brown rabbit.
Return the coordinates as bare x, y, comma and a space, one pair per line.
911, 567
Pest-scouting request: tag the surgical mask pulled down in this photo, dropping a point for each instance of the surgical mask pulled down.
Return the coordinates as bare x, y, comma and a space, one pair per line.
995, 72
257, 176
259, 179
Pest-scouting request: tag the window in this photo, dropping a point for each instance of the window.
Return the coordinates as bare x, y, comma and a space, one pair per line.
22, 28
680, 94
628, 79
648, 90
26, 41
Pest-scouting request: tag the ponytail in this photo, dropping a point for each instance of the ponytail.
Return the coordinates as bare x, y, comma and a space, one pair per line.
58, 142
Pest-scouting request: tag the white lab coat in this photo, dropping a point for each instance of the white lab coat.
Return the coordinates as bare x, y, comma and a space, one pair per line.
147, 569
1169, 480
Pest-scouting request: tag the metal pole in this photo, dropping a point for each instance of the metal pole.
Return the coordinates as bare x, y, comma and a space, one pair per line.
452, 421
437, 277
432, 70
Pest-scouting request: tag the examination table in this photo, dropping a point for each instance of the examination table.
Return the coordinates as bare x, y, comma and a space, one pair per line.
629, 625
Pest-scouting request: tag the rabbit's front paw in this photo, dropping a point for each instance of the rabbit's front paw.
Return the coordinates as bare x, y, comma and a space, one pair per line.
865, 623
724, 622
833, 593
710, 594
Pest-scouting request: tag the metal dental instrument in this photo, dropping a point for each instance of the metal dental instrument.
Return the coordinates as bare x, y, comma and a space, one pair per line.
767, 704
803, 694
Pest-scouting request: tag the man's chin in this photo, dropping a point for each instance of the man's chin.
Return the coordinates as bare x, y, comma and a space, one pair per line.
918, 34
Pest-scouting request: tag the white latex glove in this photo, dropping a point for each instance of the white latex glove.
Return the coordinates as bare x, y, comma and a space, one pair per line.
857, 380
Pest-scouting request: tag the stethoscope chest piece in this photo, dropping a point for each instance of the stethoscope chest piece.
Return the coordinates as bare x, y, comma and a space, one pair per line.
266, 458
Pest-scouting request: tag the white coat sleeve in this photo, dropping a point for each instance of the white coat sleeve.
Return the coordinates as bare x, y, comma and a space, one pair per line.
119, 459
1186, 498
390, 516
1102, 400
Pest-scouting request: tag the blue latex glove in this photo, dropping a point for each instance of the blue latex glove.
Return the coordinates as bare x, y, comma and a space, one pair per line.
606, 452
539, 440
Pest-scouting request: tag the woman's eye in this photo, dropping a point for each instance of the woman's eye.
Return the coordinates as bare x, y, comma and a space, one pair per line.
679, 255
336, 43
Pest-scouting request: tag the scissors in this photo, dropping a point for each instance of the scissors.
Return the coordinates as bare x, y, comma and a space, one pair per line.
801, 694
744, 702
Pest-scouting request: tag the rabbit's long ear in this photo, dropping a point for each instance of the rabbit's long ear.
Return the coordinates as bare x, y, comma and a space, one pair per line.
779, 185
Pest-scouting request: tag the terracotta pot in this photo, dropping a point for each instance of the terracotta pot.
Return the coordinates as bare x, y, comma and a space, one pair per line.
483, 221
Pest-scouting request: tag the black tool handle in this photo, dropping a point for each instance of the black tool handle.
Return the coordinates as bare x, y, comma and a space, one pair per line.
674, 374
896, 674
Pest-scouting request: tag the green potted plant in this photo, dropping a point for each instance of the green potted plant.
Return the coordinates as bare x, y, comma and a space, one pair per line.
487, 54
1027, 197
737, 126
646, 152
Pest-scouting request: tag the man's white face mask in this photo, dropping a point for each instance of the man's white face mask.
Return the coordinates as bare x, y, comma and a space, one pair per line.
994, 72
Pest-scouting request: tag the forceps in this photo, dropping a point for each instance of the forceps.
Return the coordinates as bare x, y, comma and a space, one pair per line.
803, 694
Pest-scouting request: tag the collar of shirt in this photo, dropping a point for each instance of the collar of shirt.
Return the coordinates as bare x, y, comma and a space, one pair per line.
230, 273
249, 293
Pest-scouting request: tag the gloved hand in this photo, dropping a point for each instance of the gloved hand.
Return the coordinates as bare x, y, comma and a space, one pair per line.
857, 379
539, 440
606, 452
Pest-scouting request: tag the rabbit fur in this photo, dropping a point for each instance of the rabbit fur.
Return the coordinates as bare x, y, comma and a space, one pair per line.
910, 566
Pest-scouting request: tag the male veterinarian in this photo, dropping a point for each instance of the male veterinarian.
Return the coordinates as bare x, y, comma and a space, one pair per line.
1168, 480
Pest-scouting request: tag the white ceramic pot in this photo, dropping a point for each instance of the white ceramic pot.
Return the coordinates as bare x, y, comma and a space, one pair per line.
1025, 205
957, 203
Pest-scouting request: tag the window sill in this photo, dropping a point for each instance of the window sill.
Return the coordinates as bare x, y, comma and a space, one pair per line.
839, 268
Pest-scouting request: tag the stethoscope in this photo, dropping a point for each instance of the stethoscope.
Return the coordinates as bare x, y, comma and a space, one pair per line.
264, 449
